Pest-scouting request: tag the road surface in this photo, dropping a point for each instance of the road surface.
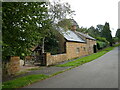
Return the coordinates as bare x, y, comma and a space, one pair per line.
100, 73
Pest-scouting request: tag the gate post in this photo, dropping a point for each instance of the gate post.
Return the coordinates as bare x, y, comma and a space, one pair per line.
45, 59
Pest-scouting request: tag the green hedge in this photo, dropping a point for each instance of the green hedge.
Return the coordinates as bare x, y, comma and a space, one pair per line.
101, 44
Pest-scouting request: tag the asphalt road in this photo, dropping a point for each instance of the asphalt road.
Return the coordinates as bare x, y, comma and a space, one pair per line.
100, 73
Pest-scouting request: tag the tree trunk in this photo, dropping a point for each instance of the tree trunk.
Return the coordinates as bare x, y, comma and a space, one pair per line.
43, 51
43, 45
24, 61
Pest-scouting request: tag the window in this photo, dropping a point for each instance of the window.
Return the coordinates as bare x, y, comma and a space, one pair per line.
84, 49
77, 50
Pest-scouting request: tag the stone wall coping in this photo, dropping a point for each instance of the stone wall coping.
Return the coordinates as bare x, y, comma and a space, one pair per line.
59, 54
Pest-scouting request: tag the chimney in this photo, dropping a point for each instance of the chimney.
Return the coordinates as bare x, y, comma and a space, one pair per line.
73, 28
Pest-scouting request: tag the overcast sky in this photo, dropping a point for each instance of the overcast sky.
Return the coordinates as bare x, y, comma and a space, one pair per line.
93, 12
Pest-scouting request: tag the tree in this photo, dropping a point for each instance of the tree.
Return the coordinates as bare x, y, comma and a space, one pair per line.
94, 32
106, 32
24, 24
83, 30
59, 11
118, 34
27, 24
100, 27
67, 23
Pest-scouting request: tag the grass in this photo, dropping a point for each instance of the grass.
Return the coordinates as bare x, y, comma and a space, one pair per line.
37, 68
116, 45
25, 71
21, 72
23, 81
85, 59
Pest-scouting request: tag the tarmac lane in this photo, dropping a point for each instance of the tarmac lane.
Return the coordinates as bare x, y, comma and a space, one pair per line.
99, 73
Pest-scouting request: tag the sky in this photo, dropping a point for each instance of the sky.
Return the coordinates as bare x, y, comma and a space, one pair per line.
94, 12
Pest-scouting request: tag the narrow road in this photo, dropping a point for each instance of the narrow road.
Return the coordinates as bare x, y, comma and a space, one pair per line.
100, 73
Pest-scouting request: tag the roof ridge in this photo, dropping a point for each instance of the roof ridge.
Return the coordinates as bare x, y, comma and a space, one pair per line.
86, 35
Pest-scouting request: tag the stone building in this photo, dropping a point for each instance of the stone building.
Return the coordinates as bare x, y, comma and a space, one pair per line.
73, 43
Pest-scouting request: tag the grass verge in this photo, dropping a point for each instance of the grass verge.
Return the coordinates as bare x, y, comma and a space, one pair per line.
116, 45
85, 59
23, 81
25, 71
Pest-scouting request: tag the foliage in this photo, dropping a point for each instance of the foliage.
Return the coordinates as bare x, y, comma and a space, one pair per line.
82, 29
51, 43
117, 45
85, 59
65, 23
24, 24
102, 33
23, 81
93, 32
102, 39
59, 11
100, 27
101, 44
106, 33
118, 34
115, 39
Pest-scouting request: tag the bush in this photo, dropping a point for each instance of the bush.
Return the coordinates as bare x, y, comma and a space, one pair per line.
101, 42
102, 39
101, 45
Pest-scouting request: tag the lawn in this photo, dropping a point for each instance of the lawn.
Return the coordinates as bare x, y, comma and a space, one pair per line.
86, 59
23, 81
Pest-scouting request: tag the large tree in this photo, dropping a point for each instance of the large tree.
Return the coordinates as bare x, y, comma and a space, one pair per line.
58, 13
106, 33
60, 10
24, 24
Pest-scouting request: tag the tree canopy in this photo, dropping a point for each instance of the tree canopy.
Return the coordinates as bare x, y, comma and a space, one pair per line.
26, 24
94, 32
59, 11
106, 33
22, 24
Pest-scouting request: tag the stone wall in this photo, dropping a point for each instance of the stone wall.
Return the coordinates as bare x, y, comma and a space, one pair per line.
89, 45
11, 66
53, 59
73, 50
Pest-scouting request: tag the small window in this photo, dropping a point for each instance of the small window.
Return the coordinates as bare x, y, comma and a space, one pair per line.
77, 50
84, 49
